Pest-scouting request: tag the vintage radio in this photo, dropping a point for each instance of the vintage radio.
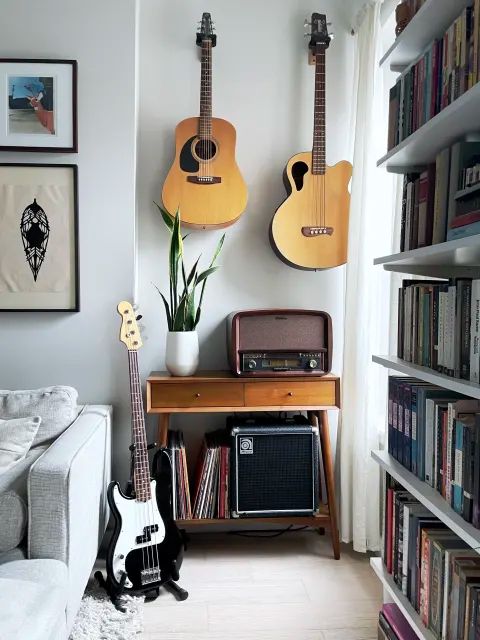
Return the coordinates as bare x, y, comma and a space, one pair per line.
274, 467
276, 342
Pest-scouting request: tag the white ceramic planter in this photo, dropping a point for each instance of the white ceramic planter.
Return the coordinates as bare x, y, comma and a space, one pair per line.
182, 354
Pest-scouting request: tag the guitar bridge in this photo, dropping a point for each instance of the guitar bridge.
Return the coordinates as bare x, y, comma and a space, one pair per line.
204, 179
147, 576
309, 232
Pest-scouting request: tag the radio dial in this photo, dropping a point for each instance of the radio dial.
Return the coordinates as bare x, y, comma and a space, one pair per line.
252, 364
313, 364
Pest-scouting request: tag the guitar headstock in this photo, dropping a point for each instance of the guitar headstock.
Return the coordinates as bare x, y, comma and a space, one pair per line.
319, 36
205, 30
129, 331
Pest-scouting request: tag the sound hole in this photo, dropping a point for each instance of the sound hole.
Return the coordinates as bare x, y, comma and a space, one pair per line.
299, 169
205, 149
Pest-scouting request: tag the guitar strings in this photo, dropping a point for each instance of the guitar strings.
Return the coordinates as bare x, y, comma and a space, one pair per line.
148, 488
138, 514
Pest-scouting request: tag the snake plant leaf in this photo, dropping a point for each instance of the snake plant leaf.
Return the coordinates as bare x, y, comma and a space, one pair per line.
167, 309
204, 275
167, 218
193, 272
176, 253
217, 250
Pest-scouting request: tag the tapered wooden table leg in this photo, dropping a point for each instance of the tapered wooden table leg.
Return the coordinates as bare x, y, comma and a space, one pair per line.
329, 480
163, 425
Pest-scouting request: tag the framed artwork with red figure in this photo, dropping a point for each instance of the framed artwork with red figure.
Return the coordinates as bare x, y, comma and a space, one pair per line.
38, 110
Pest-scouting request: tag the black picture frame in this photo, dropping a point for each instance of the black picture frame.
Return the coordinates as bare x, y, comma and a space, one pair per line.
71, 148
75, 245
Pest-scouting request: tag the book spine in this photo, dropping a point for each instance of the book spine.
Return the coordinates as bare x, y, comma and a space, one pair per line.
475, 332
465, 323
458, 468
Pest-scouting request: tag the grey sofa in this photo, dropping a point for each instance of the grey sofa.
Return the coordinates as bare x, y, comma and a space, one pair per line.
62, 485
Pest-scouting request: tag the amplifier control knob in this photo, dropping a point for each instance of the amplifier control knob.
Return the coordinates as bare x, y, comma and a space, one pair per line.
252, 364
313, 364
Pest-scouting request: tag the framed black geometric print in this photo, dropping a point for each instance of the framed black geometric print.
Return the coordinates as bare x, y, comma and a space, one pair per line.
38, 105
39, 237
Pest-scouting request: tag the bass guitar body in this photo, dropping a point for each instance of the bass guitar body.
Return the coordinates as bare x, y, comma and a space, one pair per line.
310, 228
134, 560
204, 181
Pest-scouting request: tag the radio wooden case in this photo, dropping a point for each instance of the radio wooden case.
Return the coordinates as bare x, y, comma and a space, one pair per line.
279, 342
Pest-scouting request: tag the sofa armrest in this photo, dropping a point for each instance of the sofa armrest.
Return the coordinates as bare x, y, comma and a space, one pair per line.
67, 487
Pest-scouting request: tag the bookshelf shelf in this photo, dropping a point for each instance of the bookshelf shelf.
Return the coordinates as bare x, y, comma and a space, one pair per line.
470, 389
400, 600
429, 23
457, 120
430, 498
467, 192
459, 258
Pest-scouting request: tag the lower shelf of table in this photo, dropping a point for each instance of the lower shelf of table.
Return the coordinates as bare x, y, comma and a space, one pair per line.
320, 521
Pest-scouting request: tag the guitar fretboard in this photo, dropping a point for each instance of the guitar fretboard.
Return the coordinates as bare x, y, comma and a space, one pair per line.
141, 471
205, 125
319, 127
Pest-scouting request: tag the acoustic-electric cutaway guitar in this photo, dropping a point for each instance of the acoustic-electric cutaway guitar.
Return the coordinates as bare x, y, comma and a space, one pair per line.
310, 228
204, 181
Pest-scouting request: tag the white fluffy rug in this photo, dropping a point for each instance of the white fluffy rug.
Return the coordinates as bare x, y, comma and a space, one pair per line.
97, 618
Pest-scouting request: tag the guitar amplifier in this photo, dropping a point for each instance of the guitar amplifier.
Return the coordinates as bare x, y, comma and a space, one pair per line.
274, 467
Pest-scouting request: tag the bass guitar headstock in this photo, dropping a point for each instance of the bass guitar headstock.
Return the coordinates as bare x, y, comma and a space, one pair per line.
206, 30
129, 330
319, 36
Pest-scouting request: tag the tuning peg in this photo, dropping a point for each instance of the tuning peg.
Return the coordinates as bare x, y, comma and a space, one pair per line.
331, 36
135, 306
139, 317
307, 23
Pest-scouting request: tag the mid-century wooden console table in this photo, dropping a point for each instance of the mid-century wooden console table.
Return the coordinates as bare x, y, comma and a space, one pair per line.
221, 392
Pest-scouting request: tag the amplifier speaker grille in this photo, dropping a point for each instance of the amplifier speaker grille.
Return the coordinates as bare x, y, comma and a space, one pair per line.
274, 470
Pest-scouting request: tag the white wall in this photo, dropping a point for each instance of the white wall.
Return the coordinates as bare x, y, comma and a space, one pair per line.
82, 349
263, 85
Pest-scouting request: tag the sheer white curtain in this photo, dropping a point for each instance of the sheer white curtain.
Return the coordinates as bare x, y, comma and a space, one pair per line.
367, 307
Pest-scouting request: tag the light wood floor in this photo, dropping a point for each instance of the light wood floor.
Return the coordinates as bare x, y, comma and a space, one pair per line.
285, 588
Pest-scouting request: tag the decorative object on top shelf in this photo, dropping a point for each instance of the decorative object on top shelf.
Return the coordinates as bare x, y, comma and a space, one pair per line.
204, 180
39, 237
38, 107
183, 314
310, 228
403, 16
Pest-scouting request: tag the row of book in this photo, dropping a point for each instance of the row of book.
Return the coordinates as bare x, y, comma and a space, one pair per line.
432, 567
441, 203
181, 505
392, 624
212, 491
439, 326
435, 434
448, 68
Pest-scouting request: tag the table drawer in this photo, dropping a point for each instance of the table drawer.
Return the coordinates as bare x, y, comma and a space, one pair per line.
290, 393
197, 394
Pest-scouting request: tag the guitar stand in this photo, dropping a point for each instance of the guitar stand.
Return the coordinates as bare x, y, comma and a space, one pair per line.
116, 593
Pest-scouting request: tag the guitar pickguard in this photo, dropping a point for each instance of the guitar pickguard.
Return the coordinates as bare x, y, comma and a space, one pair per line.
187, 161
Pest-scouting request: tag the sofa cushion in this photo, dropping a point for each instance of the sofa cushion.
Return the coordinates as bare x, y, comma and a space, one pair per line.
34, 599
16, 478
57, 406
16, 438
19, 553
13, 519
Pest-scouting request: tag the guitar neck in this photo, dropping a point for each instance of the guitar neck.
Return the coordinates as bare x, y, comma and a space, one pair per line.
205, 124
141, 470
319, 126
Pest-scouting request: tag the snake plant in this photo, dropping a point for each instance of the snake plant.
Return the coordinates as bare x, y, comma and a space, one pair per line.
183, 314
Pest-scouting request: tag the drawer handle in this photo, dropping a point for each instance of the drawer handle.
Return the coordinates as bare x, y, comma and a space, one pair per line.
197, 395
290, 393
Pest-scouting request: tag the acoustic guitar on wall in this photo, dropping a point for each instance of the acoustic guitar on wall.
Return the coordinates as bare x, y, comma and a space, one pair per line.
204, 181
310, 228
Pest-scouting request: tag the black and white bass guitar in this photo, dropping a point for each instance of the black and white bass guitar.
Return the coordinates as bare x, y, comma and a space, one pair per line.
146, 547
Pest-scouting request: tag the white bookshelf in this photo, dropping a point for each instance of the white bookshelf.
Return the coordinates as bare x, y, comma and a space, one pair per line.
454, 122
429, 497
400, 600
429, 23
456, 258
467, 388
